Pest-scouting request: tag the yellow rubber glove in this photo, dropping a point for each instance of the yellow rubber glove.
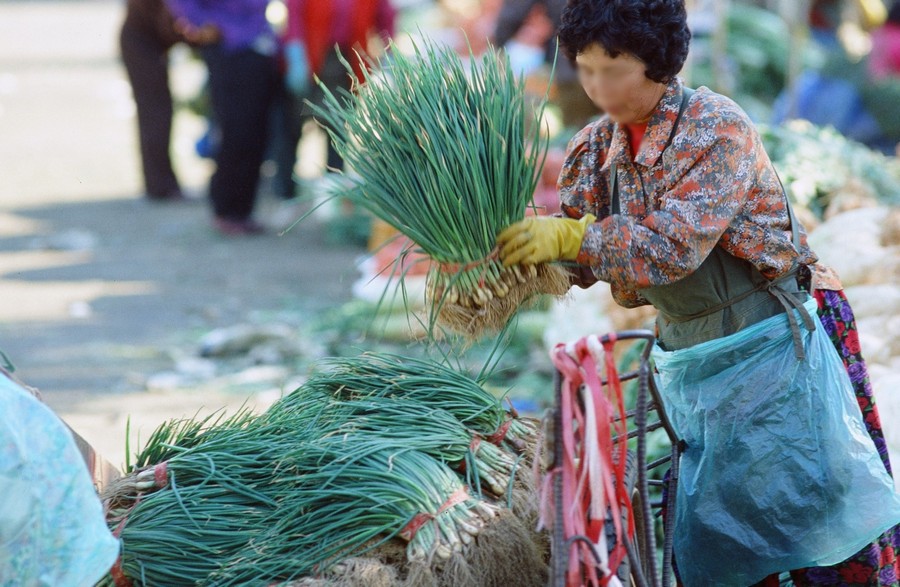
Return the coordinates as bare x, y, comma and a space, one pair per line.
541, 239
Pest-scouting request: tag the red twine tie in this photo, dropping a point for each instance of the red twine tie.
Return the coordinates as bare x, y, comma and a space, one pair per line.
485, 263
500, 435
118, 575
120, 579
409, 531
160, 474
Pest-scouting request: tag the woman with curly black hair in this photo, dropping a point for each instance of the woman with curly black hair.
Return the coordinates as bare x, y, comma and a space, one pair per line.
672, 200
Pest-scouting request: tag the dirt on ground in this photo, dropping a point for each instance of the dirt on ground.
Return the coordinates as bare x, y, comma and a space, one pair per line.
100, 289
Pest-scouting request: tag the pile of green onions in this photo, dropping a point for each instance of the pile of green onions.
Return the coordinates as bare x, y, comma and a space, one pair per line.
448, 154
388, 449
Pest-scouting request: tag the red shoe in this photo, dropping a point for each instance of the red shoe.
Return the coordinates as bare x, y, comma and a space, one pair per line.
228, 227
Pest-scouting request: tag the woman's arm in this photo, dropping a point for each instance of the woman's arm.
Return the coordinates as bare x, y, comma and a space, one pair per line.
584, 189
583, 185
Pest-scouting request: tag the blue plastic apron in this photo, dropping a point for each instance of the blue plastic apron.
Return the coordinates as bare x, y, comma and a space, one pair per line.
778, 472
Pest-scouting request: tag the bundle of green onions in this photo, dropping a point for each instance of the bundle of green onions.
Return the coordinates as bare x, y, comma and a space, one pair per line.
345, 497
436, 385
396, 424
203, 503
443, 153
171, 439
422, 380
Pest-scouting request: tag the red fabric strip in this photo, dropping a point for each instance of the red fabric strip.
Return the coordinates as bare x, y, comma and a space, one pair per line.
589, 474
160, 474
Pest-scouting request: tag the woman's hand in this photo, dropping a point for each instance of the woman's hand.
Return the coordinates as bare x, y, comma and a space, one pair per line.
541, 239
207, 34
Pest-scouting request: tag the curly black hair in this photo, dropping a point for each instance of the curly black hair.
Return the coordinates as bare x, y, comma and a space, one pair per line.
654, 31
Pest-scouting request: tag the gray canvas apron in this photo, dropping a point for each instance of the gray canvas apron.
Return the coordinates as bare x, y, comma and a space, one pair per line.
722, 296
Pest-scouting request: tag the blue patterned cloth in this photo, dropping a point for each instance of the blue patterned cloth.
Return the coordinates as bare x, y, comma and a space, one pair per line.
52, 527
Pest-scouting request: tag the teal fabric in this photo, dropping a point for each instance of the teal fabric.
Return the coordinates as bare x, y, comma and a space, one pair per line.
777, 458
52, 528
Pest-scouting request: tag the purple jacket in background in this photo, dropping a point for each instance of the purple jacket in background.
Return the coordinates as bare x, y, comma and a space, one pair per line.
242, 22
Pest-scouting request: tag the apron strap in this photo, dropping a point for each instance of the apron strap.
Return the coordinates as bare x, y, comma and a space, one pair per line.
764, 286
795, 233
790, 304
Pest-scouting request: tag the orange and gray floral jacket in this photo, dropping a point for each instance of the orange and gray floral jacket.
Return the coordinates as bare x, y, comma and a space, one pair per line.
714, 185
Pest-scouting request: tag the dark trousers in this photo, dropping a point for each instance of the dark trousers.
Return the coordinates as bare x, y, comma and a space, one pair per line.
242, 85
286, 129
146, 63
289, 116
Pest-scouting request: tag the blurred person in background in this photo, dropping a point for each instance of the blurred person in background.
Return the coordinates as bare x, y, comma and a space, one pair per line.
145, 39
856, 96
527, 48
883, 89
831, 20
468, 25
884, 60
517, 17
824, 20
317, 33
239, 48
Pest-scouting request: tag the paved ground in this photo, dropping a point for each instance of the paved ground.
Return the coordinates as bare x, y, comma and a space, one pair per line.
97, 285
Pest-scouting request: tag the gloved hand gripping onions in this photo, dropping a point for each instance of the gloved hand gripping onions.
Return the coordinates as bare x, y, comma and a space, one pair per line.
446, 154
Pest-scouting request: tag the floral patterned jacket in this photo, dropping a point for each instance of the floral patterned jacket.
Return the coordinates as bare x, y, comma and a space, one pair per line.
713, 186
